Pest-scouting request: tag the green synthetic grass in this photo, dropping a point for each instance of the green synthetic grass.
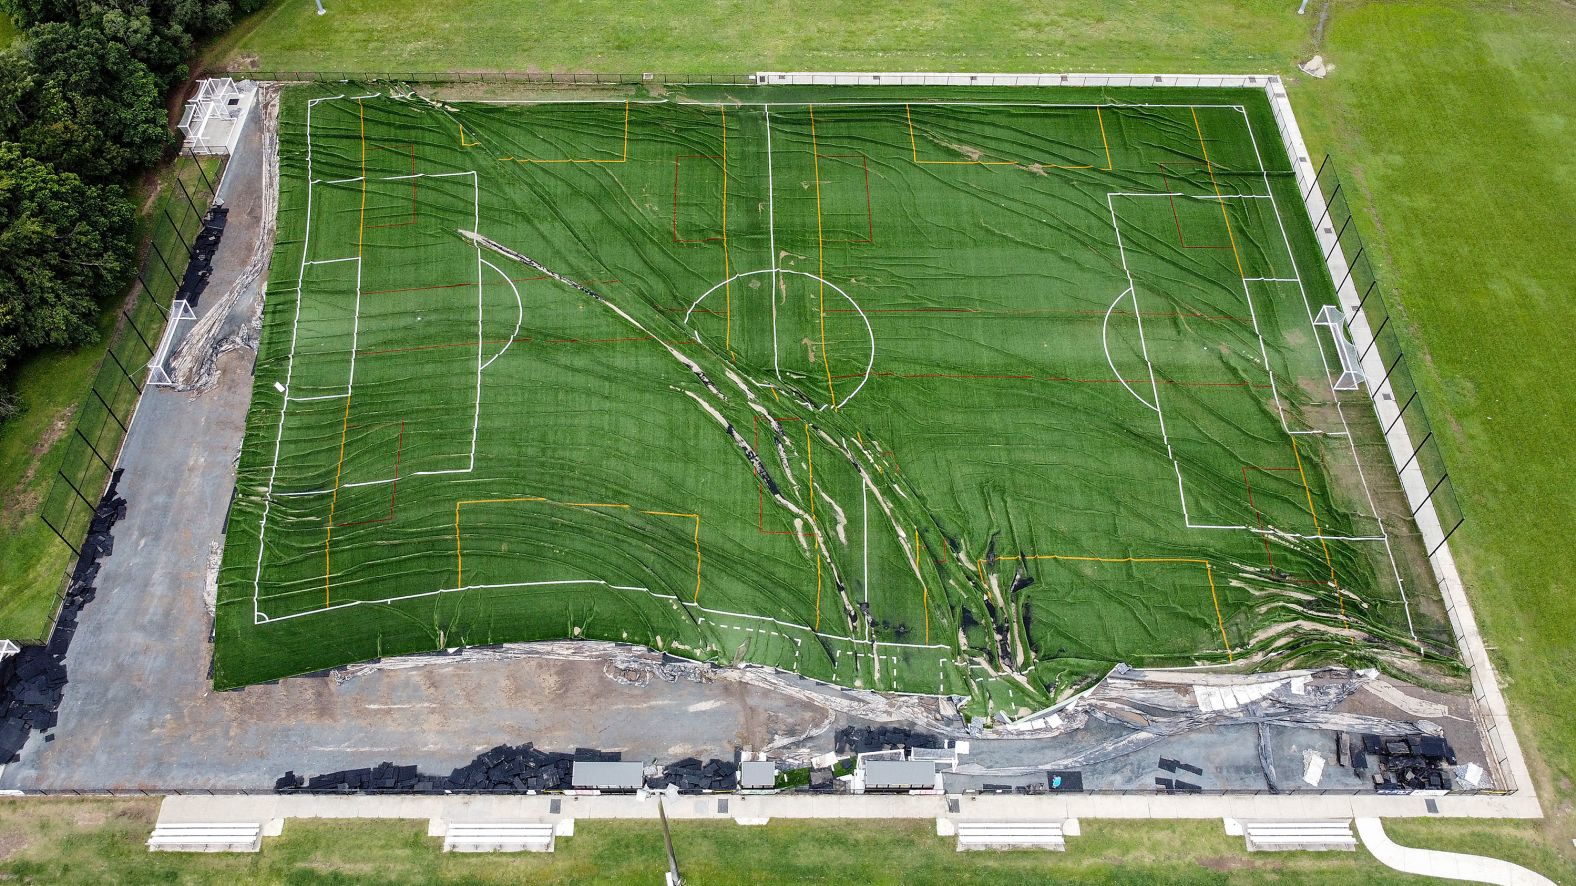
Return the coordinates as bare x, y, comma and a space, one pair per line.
1092, 428
94, 841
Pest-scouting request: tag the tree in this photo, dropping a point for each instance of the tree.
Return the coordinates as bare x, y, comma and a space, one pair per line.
78, 100
65, 246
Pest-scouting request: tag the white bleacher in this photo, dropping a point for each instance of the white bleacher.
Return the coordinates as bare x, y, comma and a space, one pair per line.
530, 836
1011, 835
1274, 836
207, 837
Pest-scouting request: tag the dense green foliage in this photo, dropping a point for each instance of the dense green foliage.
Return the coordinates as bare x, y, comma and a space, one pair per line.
78, 100
82, 91
64, 245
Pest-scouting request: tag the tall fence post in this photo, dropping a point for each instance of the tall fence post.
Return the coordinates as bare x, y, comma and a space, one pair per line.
215, 194
163, 261
93, 449
105, 404
111, 354
63, 539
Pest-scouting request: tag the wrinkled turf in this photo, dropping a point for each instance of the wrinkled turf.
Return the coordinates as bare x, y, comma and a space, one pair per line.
1030, 388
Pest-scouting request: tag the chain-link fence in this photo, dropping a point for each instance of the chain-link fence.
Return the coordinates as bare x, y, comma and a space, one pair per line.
541, 77
1398, 382
104, 415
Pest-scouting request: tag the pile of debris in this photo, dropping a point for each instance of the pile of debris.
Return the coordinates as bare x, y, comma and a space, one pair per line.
504, 769
33, 680
691, 776
864, 739
200, 268
1401, 764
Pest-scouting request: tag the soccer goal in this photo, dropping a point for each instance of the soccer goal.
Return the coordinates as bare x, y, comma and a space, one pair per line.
158, 369
1352, 373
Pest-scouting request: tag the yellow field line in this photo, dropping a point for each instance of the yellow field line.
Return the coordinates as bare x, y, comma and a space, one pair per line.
463, 142
1209, 573
696, 518
912, 145
919, 571
1210, 167
344, 426
1339, 596
820, 251
1101, 118
624, 157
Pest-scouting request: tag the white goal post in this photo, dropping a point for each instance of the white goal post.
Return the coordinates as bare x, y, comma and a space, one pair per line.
1352, 372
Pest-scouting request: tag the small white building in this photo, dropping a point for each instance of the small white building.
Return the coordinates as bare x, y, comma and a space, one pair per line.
213, 120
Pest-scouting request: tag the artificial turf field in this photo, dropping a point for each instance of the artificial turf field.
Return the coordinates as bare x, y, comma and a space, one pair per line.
962, 392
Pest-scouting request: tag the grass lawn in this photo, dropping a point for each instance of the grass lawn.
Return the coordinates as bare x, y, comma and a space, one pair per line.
1451, 118
7, 30
33, 444
95, 841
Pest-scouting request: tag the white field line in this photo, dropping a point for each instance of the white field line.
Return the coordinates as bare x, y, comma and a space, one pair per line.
268, 493
1301, 288
519, 319
869, 330
775, 271
268, 619
1105, 343
847, 104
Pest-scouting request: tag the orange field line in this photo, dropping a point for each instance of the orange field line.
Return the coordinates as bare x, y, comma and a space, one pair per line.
919, 572
1210, 167
1209, 573
459, 552
820, 250
1340, 596
696, 518
344, 427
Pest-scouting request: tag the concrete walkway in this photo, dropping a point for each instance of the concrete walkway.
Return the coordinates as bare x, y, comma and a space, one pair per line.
1445, 865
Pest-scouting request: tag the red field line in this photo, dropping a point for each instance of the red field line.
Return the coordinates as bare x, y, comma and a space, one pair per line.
870, 217
399, 447
404, 224
1166, 182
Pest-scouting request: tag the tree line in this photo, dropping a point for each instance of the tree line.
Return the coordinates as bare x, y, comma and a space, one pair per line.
82, 115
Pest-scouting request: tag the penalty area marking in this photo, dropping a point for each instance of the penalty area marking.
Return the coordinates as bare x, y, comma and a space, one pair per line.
869, 331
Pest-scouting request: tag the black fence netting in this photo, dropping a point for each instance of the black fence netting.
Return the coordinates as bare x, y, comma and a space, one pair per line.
1389, 343
105, 411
